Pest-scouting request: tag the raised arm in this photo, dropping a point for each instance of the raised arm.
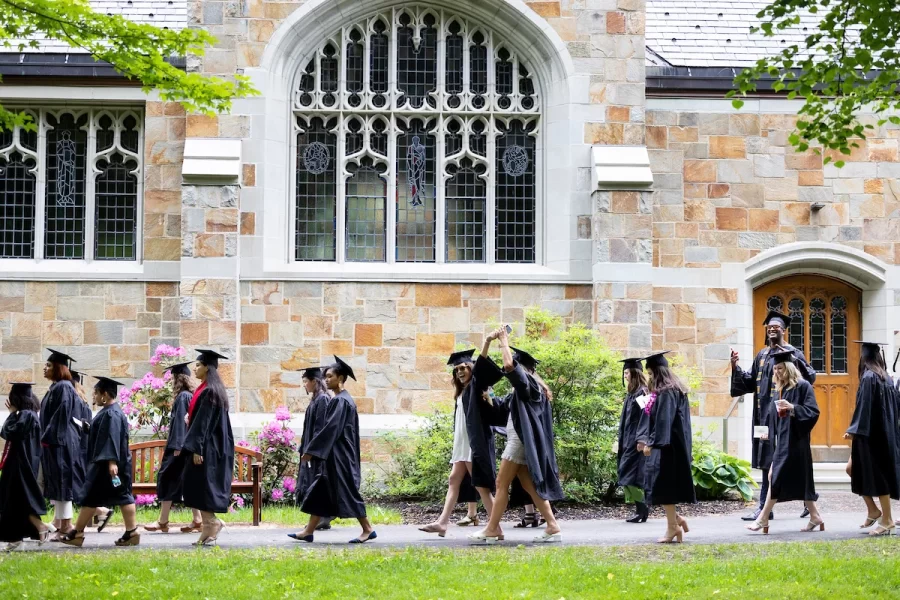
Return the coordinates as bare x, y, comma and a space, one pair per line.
504, 348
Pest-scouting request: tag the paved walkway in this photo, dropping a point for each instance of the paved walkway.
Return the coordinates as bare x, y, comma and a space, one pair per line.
704, 530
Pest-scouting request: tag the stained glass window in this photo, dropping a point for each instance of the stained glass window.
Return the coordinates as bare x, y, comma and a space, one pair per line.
796, 333
838, 334
817, 334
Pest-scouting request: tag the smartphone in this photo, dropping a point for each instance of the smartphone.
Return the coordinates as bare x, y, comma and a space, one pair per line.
508, 329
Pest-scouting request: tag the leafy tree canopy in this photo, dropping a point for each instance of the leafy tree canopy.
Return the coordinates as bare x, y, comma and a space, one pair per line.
850, 63
137, 51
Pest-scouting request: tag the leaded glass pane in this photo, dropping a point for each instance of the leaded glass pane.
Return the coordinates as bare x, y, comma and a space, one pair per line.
797, 333
417, 64
817, 334
366, 197
316, 193
116, 210
515, 195
775, 303
416, 154
65, 192
454, 66
478, 64
17, 197
465, 216
379, 63
355, 58
838, 335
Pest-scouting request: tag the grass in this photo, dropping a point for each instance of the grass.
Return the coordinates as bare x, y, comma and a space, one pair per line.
287, 516
851, 569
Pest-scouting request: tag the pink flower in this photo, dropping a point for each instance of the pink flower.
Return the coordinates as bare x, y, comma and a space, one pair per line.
282, 414
650, 403
278, 494
145, 499
238, 501
289, 484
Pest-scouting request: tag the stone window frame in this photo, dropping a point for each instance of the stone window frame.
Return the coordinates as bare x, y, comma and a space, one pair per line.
38, 266
335, 107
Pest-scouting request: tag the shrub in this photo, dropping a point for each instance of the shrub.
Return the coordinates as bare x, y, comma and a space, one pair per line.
148, 402
276, 442
421, 459
718, 475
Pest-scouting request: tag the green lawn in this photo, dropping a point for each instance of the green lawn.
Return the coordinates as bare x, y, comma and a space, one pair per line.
287, 516
854, 569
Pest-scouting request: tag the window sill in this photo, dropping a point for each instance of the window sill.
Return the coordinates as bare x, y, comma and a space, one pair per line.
75, 270
411, 273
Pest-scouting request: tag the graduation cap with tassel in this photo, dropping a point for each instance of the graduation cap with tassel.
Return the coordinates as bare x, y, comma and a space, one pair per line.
631, 363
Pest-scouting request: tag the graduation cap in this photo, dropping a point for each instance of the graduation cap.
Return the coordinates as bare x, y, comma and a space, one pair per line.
658, 359
313, 372
631, 363
342, 368
460, 358
210, 358
179, 369
110, 386
896, 358
781, 318
872, 349
21, 387
76, 375
59, 358
524, 359
783, 356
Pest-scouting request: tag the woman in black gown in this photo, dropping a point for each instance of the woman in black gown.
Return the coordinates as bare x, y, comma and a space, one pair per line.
313, 422
790, 423
21, 501
108, 476
209, 449
665, 440
631, 462
874, 466
171, 468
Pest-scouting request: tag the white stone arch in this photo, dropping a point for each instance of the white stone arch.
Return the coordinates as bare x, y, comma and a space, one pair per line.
268, 255
834, 260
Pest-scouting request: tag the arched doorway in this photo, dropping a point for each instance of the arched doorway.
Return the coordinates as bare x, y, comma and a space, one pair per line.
826, 319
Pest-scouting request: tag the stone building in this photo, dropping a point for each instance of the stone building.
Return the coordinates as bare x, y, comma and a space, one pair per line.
575, 155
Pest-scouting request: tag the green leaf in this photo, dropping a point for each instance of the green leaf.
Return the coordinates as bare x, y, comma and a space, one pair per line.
737, 104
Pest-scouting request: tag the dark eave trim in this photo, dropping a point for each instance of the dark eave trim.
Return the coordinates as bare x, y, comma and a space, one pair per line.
15, 65
664, 80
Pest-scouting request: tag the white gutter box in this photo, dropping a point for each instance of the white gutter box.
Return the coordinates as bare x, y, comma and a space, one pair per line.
211, 160
619, 167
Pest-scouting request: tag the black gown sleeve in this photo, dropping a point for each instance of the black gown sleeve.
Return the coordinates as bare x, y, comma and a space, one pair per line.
485, 373
663, 419
18, 425
109, 436
61, 403
525, 387
806, 411
177, 427
322, 443
861, 424
743, 382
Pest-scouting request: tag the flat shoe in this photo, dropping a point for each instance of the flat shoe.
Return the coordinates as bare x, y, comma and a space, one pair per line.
479, 539
192, 528
356, 540
301, 538
432, 528
548, 538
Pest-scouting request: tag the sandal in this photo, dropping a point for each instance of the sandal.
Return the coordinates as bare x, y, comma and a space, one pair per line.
434, 528
759, 525
676, 538
129, 538
158, 526
11, 546
479, 539
882, 530
870, 521
529, 520
194, 527
104, 520
473, 520
73, 538
812, 526
43, 536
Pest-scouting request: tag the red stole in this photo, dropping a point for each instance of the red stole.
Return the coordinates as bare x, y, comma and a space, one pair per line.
193, 405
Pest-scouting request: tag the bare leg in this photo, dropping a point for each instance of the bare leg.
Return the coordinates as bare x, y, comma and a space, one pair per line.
366, 528
540, 503
871, 509
457, 474
814, 516
85, 516
472, 510
485, 493
37, 523
211, 526
886, 518
310, 528
129, 514
672, 528
505, 476
198, 516
768, 505
164, 509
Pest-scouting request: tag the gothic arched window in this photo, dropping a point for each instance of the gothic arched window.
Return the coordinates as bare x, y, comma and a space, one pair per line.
417, 140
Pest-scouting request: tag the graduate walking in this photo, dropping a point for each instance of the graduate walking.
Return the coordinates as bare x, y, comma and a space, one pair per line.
760, 382
790, 421
874, 451
529, 454
631, 470
108, 478
313, 421
170, 477
208, 450
61, 456
21, 501
334, 457
102, 514
665, 439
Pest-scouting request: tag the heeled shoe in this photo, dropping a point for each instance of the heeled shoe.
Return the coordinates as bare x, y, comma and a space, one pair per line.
548, 538
812, 526
641, 512
129, 538
372, 535
870, 521
682, 522
217, 526
158, 526
194, 527
73, 538
757, 525
529, 520
43, 537
479, 539
881, 530
468, 521
676, 538
434, 528
301, 538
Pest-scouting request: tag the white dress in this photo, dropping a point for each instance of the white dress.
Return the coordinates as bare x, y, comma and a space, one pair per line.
462, 451
514, 450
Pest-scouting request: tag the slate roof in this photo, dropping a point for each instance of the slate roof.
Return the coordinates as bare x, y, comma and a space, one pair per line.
706, 33
161, 13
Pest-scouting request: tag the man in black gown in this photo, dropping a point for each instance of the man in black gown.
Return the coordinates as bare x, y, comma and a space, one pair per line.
335, 459
761, 383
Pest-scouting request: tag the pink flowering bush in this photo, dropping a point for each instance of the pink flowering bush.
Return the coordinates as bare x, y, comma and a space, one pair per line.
148, 402
277, 444
145, 500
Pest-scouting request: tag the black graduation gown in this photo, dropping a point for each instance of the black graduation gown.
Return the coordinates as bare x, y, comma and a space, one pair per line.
313, 422
631, 462
61, 438
792, 463
20, 494
761, 383
479, 417
171, 468
86, 415
207, 486
532, 418
108, 442
874, 469
668, 432
334, 491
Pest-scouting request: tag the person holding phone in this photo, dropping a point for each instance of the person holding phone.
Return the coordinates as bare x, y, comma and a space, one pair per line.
760, 382
631, 469
790, 420
108, 476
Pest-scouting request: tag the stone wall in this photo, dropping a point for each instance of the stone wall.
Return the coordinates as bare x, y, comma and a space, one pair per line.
164, 130
108, 327
397, 337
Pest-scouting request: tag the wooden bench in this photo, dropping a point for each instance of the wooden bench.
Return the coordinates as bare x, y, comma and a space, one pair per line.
147, 456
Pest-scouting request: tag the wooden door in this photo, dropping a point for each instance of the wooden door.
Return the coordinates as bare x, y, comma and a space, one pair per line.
825, 317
